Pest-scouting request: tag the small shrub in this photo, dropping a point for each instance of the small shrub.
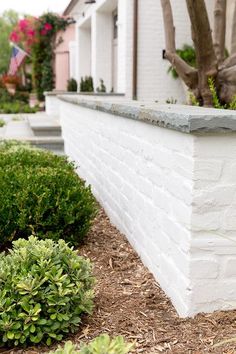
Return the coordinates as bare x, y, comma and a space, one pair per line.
86, 84
102, 87
41, 194
72, 85
45, 288
2, 122
215, 98
193, 100
16, 107
101, 345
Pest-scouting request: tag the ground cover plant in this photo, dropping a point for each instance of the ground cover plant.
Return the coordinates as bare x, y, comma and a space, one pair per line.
18, 103
45, 288
41, 194
100, 345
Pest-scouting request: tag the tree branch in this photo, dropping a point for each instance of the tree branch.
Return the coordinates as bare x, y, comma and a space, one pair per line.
185, 71
168, 26
228, 62
203, 43
233, 35
219, 29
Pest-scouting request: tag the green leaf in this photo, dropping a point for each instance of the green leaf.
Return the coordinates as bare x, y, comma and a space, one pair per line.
10, 335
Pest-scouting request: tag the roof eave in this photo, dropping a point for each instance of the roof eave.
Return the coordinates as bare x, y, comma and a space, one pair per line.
70, 7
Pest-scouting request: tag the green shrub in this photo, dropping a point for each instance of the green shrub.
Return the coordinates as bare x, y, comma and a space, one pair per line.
72, 85
45, 288
86, 84
102, 87
41, 194
2, 122
16, 107
101, 345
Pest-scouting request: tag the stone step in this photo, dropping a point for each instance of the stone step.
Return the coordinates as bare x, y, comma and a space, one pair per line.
54, 144
45, 127
40, 131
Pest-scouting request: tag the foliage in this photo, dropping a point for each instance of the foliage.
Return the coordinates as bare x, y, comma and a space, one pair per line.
216, 99
171, 100
45, 288
8, 20
86, 84
17, 103
38, 36
188, 54
102, 87
232, 104
193, 100
72, 85
16, 107
100, 345
41, 194
11, 79
2, 122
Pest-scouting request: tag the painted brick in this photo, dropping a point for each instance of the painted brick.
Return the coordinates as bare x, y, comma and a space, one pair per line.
171, 196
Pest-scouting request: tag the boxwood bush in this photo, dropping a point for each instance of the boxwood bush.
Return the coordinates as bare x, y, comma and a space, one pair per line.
45, 287
100, 345
41, 194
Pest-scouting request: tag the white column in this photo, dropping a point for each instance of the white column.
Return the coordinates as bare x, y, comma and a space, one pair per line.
122, 33
102, 49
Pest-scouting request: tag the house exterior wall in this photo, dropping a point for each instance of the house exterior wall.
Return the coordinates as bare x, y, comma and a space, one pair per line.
154, 83
63, 58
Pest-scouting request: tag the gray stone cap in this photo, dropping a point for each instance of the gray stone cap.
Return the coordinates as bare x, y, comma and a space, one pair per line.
184, 118
94, 94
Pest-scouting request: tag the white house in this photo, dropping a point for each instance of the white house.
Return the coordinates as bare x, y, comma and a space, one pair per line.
165, 174
122, 42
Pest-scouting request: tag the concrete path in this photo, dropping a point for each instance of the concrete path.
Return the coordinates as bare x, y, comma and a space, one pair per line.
38, 129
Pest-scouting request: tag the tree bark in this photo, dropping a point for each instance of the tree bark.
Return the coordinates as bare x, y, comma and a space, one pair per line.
228, 62
185, 71
233, 34
219, 29
203, 43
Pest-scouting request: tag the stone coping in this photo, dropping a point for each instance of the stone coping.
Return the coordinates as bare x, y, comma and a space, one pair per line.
100, 94
183, 118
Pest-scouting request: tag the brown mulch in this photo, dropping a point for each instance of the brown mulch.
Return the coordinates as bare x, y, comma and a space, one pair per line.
129, 302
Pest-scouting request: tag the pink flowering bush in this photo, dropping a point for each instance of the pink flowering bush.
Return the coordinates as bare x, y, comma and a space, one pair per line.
37, 37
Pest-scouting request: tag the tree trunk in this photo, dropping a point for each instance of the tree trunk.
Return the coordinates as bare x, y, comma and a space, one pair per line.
219, 29
210, 58
185, 71
233, 35
203, 43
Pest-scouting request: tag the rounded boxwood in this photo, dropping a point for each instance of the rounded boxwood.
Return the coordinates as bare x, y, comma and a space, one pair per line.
45, 287
41, 194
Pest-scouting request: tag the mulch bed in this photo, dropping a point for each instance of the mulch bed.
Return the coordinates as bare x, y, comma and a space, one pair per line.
129, 302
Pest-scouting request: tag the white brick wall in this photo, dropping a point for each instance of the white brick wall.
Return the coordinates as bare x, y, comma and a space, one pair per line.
172, 194
52, 104
138, 173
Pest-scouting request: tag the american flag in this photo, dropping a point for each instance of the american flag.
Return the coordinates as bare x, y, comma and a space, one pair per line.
17, 57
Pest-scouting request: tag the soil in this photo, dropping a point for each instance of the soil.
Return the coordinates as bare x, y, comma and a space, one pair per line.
129, 302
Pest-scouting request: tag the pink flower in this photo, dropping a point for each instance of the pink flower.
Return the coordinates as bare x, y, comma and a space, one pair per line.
43, 32
48, 27
31, 33
23, 24
14, 37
